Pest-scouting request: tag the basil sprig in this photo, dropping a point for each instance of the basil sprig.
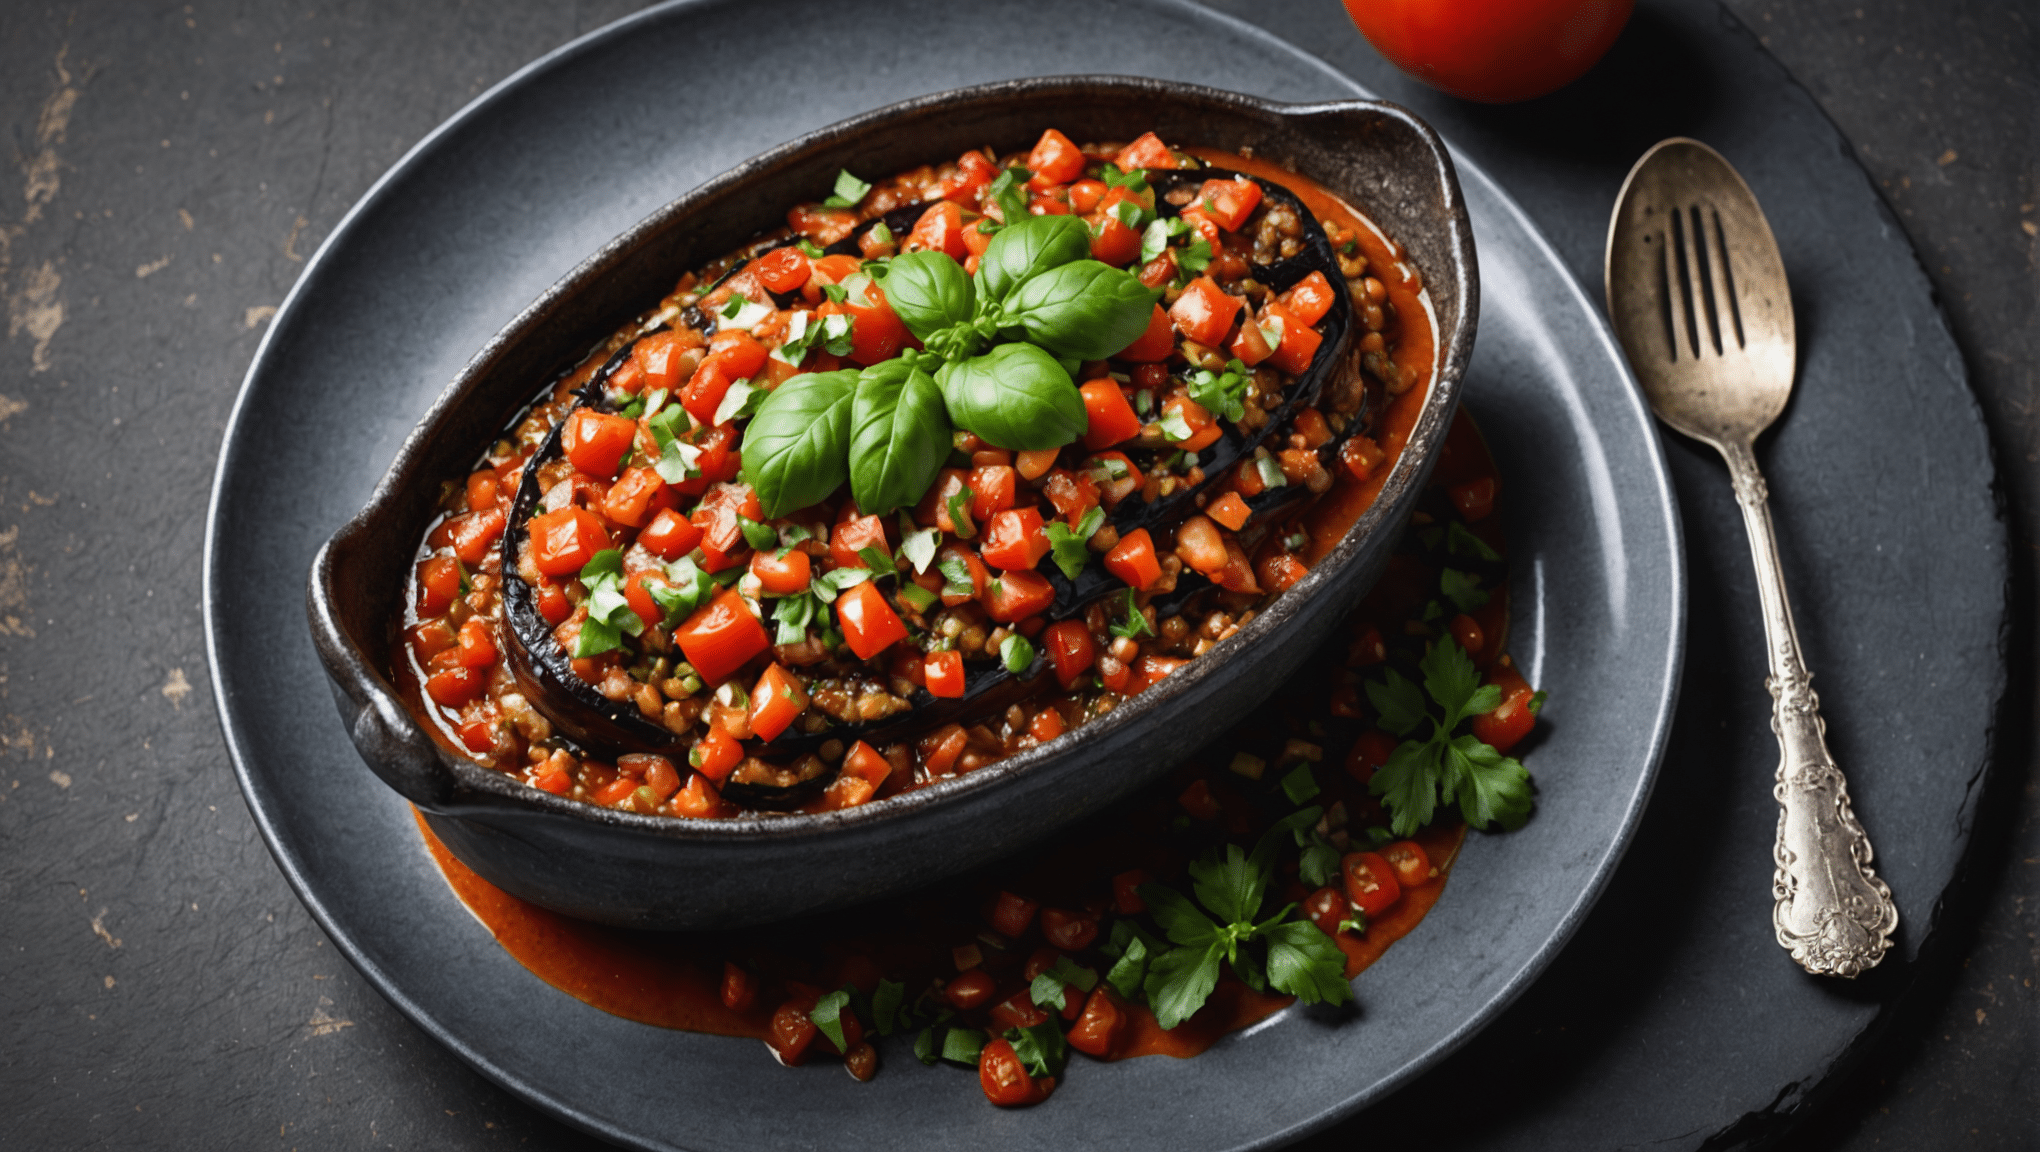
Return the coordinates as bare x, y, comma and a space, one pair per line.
899, 435
796, 448
1015, 396
1031, 246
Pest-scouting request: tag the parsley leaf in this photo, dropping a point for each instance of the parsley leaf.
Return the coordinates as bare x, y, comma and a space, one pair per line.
1487, 786
1180, 980
962, 1046
1461, 542
1222, 393
1041, 1047
1306, 963
849, 190
1230, 885
1130, 970
1462, 589
1048, 987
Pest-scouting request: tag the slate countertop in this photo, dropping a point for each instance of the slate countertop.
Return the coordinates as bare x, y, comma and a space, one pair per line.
160, 985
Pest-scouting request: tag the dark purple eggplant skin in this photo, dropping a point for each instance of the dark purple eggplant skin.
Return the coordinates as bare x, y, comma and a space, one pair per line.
638, 870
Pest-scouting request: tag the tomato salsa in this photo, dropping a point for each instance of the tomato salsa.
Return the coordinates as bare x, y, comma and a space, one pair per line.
1090, 943
954, 463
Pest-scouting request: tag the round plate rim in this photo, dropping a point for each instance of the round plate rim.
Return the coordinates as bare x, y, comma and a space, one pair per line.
301, 884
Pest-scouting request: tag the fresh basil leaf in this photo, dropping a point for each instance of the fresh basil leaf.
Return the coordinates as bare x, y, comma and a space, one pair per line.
1306, 963
827, 1015
1221, 393
1009, 191
1016, 396
796, 448
1131, 213
959, 512
929, 292
888, 1002
1130, 969
849, 190
608, 562
1084, 309
1041, 1048
1022, 249
899, 437
962, 1046
595, 638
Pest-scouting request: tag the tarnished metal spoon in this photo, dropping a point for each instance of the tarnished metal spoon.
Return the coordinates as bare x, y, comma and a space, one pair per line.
1698, 297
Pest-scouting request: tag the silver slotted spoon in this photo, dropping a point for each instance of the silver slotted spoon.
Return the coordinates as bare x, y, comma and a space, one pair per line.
1698, 297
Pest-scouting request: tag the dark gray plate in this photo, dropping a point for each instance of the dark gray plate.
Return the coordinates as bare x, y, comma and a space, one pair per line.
509, 195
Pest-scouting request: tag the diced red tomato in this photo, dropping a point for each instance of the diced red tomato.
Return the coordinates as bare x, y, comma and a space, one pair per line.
870, 625
719, 460
1033, 464
1328, 908
1011, 914
1015, 539
1155, 344
477, 646
1067, 930
782, 269
1299, 340
1126, 892
1086, 195
629, 501
455, 686
944, 672
940, 229
1309, 298
1207, 229
1411, 863
852, 536
933, 510
1204, 312
722, 532
1149, 670
791, 1033
1204, 430
1230, 511
1133, 560
1146, 152
1112, 419
1474, 499
1112, 242
868, 764
776, 702
1249, 346
781, 575
993, 490
1197, 801
1199, 544
1277, 570
1098, 1031
1230, 202
638, 591
721, 637
972, 989
716, 755
876, 331
1370, 882
940, 748
1018, 594
552, 601
1512, 719
973, 172
1071, 649
596, 441
1005, 1080
739, 988
1054, 160
1361, 456
1046, 725
660, 357
482, 490
699, 800
563, 542
670, 535
475, 534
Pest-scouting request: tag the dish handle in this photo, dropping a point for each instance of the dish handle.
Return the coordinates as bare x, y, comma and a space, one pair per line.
384, 732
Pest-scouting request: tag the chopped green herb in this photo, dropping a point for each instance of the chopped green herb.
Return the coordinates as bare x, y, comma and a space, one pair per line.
878, 560
962, 1045
917, 545
1175, 427
1070, 549
1299, 785
793, 614
1041, 1048
743, 312
1194, 257
835, 293
1271, 472
808, 249
1462, 589
838, 333
849, 190
740, 401
760, 536
880, 234
1136, 624
888, 1007
920, 598
1222, 393
956, 578
924, 1044
1461, 542
1009, 192
1017, 652
959, 512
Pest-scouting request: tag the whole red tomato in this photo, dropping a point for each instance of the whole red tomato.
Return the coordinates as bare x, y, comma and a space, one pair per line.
1493, 51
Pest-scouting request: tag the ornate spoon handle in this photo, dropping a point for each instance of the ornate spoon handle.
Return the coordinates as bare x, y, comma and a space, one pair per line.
1832, 912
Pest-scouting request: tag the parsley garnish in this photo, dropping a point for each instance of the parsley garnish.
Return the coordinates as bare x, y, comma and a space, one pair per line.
1041, 1047
1460, 542
849, 190
1462, 589
827, 1015
610, 616
1488, 786
1193, 258
1231, 887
